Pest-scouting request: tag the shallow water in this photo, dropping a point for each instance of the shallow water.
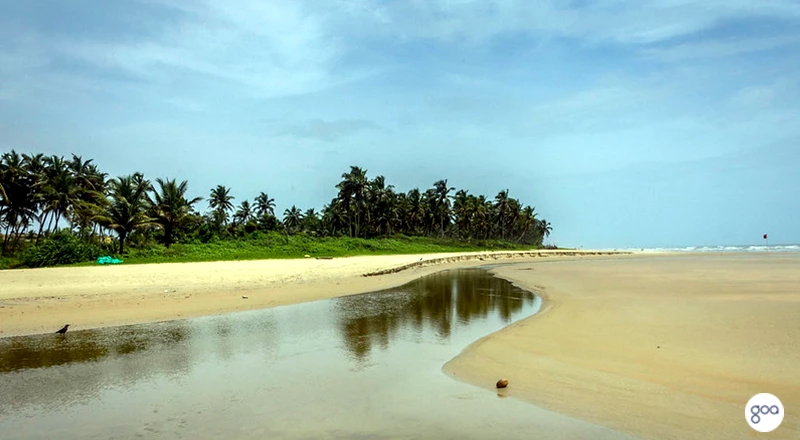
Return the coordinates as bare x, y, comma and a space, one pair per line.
362, 366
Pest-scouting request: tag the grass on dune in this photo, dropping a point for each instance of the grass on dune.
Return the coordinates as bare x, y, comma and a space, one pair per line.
276, 246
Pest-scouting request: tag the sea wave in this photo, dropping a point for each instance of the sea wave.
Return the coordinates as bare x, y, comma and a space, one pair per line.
743, 248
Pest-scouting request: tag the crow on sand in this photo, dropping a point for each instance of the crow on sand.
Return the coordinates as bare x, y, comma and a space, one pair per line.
63, 329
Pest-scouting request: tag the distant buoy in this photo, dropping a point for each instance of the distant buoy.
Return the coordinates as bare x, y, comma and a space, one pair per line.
502, 383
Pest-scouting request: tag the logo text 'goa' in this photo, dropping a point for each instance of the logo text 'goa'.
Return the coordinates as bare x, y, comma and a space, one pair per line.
764, 412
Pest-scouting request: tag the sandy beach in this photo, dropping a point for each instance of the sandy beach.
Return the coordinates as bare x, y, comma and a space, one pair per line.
661, 346
669, 347
42, 300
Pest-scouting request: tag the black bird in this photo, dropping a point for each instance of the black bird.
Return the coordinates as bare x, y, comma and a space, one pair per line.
63, 329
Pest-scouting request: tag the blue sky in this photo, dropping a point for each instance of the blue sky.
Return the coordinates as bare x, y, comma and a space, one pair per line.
637, 123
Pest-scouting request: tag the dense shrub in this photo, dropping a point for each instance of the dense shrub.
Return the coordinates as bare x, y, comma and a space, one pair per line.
61, 248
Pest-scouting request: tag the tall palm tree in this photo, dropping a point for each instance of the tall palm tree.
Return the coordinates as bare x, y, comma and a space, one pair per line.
221, 202
415, 211
463, 211
442, 203
352, 192
60, 190
89, 195
292, 218
527, 222
169, 207
18, 206
244, 214
334, 218
379, 211
36, 168
503, 208
311, 221
483, 217
127, 207
264, 205
545, 227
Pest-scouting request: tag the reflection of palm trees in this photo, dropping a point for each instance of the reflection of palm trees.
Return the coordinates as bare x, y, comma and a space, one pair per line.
356, 336
430, 302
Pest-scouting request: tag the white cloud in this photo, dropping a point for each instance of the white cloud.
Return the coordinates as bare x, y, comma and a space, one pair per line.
274, 48
284, 47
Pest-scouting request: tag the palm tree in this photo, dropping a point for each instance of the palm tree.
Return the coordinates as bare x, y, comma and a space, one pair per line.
292, 218
334, 218
545, 227
44, 190
169, 206
483, 217
221, 202
415, 211
89, 195
502, 207
264, 205
311, 221
244, 214
60, 191
379, 212
527, 222
127, 208
463, 210
36, 168
352, 191
18, 205
442, 203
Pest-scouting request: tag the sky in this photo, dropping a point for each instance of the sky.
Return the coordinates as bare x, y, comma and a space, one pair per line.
626, 123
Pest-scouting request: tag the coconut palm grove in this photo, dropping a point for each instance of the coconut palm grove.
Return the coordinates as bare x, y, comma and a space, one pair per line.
56, 211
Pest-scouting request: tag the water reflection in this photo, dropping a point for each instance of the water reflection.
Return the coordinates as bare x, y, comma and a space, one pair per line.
49, 350
364, 366
436, 303
34, 369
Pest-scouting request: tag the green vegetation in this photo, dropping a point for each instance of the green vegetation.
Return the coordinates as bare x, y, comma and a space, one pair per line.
55, 212
274, 245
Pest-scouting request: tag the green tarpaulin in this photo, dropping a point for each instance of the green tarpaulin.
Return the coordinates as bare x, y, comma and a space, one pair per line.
108, 260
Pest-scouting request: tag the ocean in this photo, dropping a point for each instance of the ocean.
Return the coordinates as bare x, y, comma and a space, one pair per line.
741, 248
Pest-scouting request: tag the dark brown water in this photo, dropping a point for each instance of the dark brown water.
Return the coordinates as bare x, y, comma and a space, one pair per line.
363, 366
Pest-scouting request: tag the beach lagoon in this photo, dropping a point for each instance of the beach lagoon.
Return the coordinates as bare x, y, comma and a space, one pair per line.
360, 366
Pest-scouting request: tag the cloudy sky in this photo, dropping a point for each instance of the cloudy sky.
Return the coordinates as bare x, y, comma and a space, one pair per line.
626, 123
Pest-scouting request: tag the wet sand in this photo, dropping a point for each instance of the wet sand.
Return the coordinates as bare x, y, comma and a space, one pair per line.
43, 300
669, 347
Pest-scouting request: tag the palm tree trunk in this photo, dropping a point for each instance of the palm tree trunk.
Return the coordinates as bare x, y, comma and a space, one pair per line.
50, 224
122, 237
6, 236
58, 219
18, 232
519, 240
167, 235
41, 225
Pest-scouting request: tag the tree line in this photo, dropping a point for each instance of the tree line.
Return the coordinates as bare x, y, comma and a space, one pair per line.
41, 194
